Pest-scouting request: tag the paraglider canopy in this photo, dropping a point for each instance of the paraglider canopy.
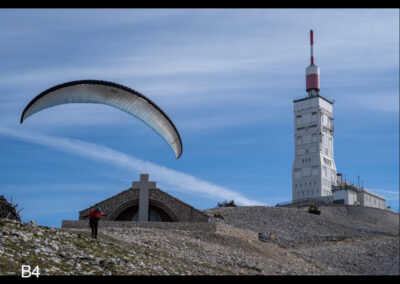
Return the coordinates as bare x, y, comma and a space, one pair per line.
112, 94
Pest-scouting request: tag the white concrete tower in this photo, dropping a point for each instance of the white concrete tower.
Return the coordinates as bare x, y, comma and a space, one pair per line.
314, 170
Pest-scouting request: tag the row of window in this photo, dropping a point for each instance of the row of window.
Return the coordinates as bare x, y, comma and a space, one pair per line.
326, 162
312, 192
376, 202
313, 113
306, 127
306, 192
369, 198
304, 184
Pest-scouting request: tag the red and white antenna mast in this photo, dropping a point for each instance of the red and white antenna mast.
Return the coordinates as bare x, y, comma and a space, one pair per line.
312, 71
311, 46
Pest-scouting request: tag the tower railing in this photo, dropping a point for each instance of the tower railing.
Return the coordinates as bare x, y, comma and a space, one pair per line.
306, 96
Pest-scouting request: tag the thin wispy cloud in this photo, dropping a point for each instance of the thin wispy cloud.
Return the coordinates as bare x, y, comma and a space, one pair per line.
386, 191
168, 178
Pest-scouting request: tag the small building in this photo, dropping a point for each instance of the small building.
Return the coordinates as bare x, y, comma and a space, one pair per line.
345, 194
350, 194
144, 202
370, 199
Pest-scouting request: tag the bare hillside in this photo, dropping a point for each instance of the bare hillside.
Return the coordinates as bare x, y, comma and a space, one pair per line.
355, 240
340, 241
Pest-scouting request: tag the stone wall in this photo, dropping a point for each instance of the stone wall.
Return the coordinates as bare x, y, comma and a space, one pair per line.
217, 228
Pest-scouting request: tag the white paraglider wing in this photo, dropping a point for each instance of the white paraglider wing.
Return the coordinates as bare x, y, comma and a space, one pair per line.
112, 94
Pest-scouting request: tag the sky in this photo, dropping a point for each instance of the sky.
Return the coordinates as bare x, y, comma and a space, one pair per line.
227, 78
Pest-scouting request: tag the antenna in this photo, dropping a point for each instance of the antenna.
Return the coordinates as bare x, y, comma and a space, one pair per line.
312, 71
311, 46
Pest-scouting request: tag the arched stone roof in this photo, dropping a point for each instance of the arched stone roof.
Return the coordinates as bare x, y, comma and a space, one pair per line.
177, 210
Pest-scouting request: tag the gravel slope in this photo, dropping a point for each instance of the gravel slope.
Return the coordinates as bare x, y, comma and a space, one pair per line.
361, 241
141, 251
340, 241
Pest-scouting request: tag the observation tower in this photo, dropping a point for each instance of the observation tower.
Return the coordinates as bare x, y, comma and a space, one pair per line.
314, 169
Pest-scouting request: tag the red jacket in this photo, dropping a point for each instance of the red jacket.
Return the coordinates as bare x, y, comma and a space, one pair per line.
95, 214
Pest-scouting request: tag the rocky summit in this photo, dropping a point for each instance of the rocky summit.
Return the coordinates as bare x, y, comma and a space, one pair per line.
342, 240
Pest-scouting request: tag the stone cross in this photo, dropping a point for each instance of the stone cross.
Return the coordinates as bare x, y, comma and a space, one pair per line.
144, 185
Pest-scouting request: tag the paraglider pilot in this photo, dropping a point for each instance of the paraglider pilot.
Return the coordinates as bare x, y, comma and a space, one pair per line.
94, 220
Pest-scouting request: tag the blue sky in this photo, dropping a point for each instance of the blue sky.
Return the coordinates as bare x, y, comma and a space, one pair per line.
227, 78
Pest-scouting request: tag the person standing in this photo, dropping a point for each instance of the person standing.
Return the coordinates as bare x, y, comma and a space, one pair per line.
94, 220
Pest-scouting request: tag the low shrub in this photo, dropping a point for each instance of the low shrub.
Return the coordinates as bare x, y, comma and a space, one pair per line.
313, 209
227, 204
217, 215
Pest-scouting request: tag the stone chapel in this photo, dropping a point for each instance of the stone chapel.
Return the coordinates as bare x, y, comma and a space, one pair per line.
144, 202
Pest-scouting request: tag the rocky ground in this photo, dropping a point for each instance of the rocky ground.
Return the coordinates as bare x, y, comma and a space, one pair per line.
292, 242
357, 242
